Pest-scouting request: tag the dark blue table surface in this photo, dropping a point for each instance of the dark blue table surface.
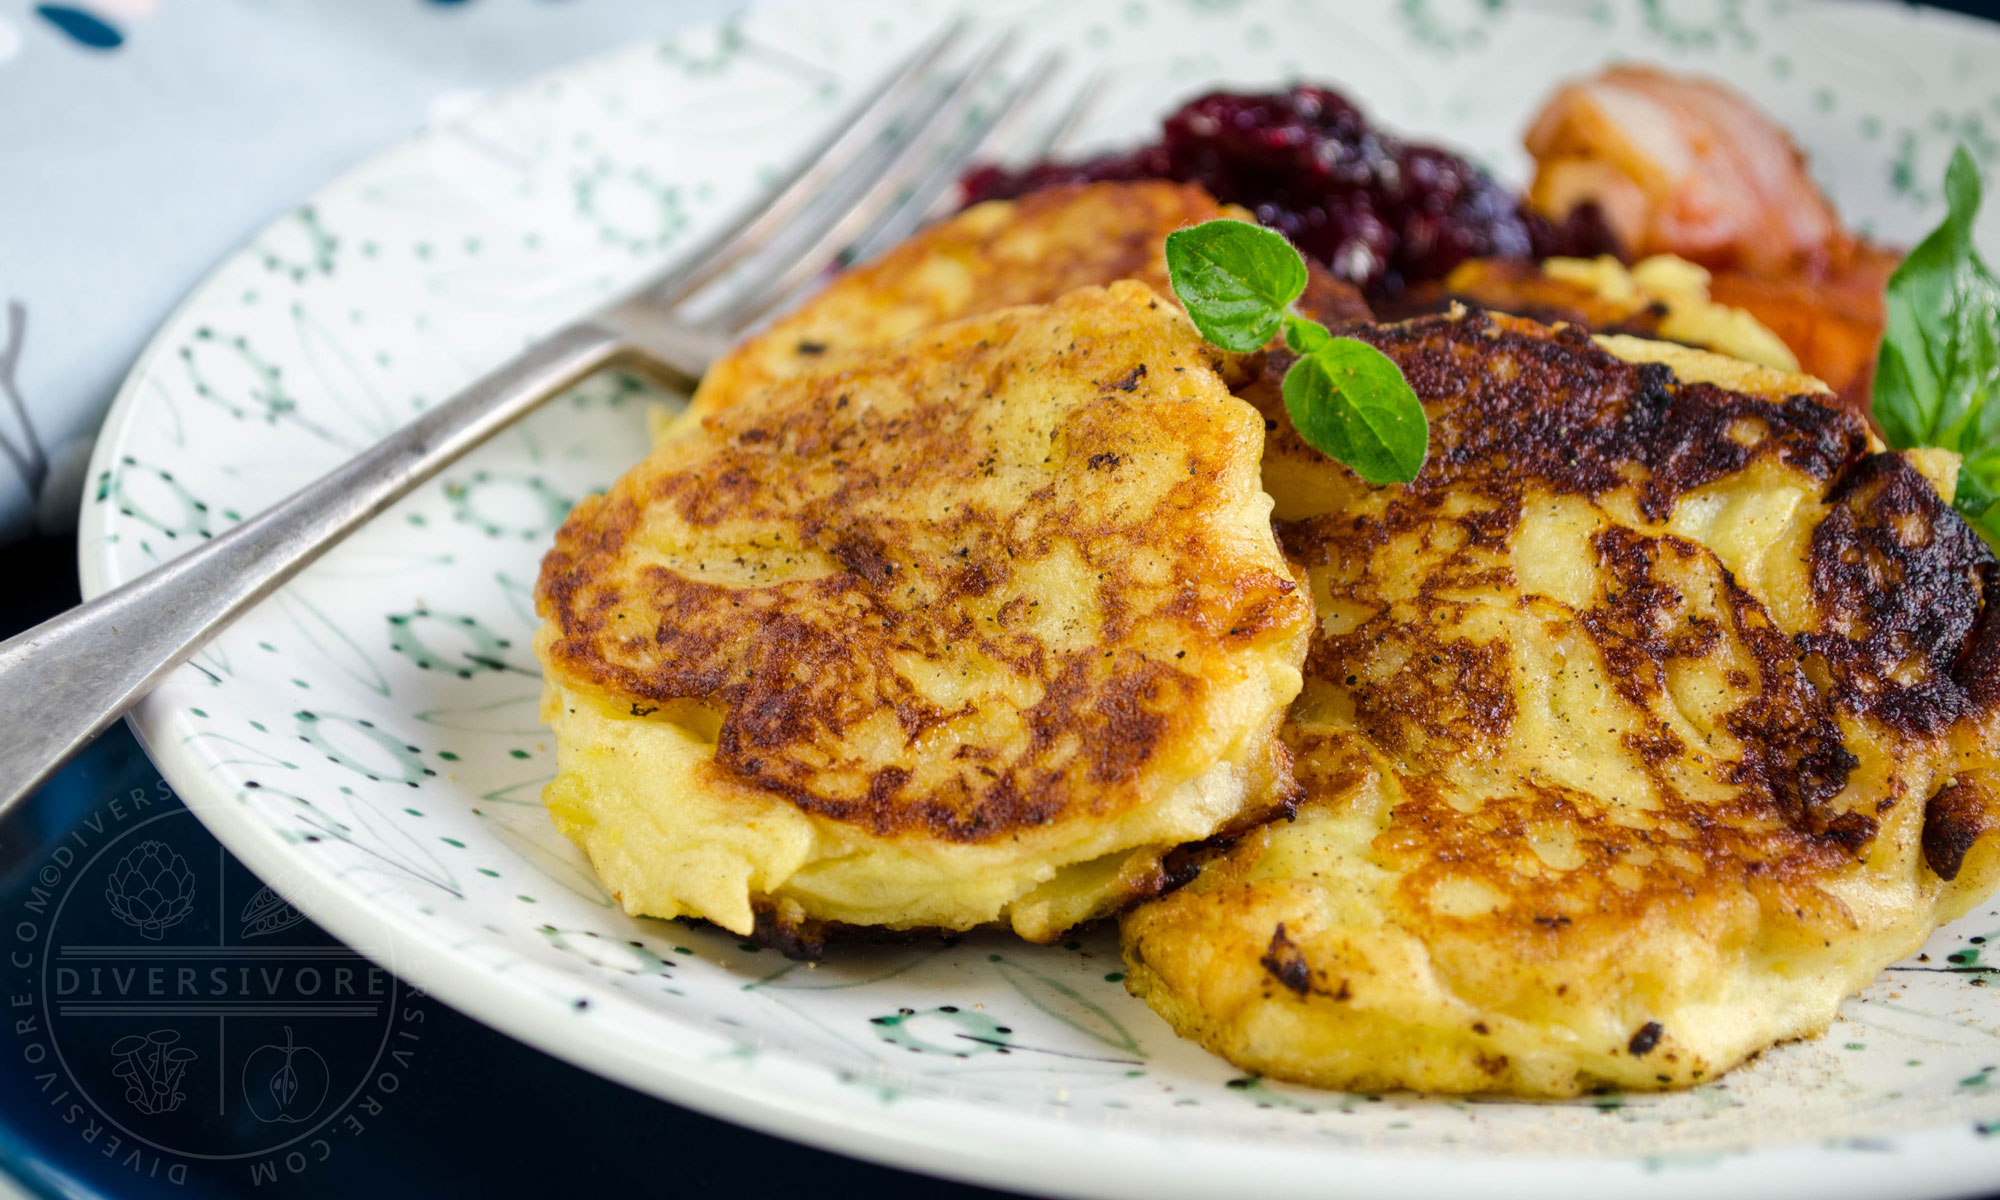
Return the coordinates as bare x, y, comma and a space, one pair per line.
473, 1112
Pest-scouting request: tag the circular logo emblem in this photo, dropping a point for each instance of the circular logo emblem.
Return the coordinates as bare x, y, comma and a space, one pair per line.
192, 1014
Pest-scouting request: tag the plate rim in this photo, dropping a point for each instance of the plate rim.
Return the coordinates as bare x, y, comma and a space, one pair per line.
1070, 1160
1067, 1159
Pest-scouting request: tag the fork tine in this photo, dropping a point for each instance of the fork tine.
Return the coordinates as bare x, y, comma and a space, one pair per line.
923, 144
1057, 143
931, 197
731, 246
1002, 127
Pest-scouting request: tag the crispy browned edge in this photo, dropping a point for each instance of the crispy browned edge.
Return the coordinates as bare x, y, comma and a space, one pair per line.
1907, 594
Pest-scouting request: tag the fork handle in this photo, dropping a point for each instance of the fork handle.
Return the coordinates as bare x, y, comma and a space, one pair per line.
65, 680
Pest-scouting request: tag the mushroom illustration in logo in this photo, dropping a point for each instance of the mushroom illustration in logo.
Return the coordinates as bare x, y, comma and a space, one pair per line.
285, 1083
152, 1067
151, 889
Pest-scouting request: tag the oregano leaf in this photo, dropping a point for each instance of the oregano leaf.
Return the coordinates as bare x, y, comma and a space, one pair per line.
1350, 401
1235, 279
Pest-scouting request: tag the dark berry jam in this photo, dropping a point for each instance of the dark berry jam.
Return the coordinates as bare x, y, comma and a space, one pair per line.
1381, 213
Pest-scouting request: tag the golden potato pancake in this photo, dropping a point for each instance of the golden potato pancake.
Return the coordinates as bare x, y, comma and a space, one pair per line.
971, 629
1659, 714
1662, 297
991, 256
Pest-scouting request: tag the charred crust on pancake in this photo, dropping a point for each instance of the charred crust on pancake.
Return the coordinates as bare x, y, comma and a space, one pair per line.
1182, 865
1645, 1039
1898, 577
804, 939
1454, 698
1492, 1064
1957, 817
1978, 669
1792, 746
1568, 415
816, 654
1685, 804
1129, 381
1905, 630
797, 938
1904, 586
1287, 963
1118, 720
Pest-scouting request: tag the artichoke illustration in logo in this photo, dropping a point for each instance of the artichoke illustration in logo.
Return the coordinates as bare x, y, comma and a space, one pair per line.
151, 889
152, 1067
267, 913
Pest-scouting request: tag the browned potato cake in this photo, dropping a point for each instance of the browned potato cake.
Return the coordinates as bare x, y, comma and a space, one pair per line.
974, 628
1659, 714
991, 256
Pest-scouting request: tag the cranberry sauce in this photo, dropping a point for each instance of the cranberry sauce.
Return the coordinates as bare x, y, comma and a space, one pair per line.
1381, 213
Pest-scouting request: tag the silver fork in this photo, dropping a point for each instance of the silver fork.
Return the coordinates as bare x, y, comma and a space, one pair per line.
870, 183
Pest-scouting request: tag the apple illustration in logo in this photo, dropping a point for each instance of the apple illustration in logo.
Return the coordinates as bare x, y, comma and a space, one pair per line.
284, 1083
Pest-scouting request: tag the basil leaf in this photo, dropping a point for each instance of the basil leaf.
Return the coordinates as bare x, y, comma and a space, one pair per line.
1234, 279
1978, 496
1350, 401
1937, 375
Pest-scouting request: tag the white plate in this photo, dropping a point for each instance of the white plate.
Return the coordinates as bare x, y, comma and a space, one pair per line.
367, 740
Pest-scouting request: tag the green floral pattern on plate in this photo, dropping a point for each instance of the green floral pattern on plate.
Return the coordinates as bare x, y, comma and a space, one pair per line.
368, 740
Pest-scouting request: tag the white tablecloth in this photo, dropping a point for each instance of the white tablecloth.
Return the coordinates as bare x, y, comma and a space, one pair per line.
142, 140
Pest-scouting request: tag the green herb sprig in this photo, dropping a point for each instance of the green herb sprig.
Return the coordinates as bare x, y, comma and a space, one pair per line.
1347, 399
1937, 375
